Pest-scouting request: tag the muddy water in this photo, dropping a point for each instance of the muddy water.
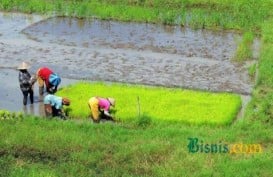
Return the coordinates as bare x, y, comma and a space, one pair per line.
136, 36
124, 52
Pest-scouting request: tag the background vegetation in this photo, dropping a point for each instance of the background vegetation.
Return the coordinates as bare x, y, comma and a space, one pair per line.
39, 147
227, 14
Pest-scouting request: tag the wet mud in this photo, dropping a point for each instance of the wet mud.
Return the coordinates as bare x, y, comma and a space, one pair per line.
120, 52
136, 36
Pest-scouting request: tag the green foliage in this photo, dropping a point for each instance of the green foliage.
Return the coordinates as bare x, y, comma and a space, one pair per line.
266, 63
244, 49
6, 115
168, 18
6, 4
261, 107
144, 121
252, 70
265, 68
68, 148
6, 165
224, 14
159, 103
267, 32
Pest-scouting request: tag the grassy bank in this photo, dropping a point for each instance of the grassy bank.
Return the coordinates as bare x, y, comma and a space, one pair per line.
66, 148
40, 147
159, 103
226, 14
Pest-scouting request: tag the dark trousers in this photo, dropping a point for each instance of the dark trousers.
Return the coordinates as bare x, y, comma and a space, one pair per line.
58, 113
25, 94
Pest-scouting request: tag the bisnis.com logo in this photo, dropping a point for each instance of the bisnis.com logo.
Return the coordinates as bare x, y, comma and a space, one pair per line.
196, 146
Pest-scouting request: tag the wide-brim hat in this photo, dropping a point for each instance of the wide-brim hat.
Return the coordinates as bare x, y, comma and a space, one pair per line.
54, 79
23, 66
112, 101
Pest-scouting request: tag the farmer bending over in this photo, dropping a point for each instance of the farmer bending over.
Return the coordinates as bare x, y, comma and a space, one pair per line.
49, 78
53, 106
100, 108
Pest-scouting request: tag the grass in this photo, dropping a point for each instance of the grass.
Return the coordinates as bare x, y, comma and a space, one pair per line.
159, 103
67, 148
40, 147
223, 14
252, 70
244, 49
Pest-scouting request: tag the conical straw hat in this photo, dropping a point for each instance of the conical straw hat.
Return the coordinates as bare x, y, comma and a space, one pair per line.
23, 65
112, 101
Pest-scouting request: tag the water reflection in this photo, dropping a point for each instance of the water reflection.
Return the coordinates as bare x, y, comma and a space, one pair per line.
37, 108
28, 109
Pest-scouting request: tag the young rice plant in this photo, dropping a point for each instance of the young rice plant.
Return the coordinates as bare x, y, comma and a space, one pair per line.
168, 104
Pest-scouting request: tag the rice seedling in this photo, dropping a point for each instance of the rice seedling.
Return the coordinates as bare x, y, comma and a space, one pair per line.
199, 14
156, 102
252, 70
6, 115
244, 49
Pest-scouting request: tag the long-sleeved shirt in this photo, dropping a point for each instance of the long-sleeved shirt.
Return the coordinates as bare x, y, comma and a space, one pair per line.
24, 80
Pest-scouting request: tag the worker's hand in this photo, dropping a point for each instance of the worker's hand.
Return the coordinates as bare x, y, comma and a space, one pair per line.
52, 90
33, 79
107, 113
62, 115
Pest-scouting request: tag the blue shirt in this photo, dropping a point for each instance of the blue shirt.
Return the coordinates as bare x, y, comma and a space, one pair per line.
54, 101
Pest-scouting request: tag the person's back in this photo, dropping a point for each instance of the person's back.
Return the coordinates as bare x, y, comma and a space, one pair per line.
100, 108
44, 73
24, 80
104, 104
53, 105
49, 78
54, 101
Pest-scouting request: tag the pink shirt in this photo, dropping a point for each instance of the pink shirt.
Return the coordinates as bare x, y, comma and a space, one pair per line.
104, 104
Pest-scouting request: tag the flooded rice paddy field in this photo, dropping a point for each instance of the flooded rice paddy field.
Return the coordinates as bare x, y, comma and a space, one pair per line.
12, 98
136, 36
119, 52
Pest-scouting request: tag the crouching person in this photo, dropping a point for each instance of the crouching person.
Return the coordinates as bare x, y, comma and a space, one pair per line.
53, 106
100, 108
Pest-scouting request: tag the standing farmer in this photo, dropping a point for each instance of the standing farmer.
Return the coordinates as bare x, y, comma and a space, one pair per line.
47, 77
100, 107
26, 83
